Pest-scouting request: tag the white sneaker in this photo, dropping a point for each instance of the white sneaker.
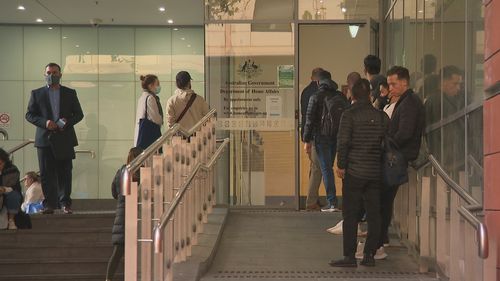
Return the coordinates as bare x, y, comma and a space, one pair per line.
380, 254
12, 225
330, 209
359, 250
337, 229
387, 244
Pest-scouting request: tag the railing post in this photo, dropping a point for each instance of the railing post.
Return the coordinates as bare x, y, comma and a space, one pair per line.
442, 227
454, 236
131, 233
424, 222
187, 197
206, 178
199, 182
158, 208
412, 207
177, 173
168, 249
193, 228
182, 207
146, 225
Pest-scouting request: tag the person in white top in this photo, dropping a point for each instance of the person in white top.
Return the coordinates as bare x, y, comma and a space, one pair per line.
34, 193
185, 106
149, 117
389, 108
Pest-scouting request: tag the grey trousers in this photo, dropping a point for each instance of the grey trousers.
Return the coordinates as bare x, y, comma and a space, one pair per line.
314, 178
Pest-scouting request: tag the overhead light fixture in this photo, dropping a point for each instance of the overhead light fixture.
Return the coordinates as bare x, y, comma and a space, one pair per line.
353, 30
170, 21
78, 46
175, 29
50, 28
344, 10
183, 38
65, 37
420, 11
189, 46
161, 9
39, 20
21, 8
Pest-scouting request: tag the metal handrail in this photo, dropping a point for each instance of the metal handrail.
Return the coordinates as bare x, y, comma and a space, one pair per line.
451, 183
21, 145
87, 151
133, 166
481, 231
4, 133
167, 215
475, 164
466, 211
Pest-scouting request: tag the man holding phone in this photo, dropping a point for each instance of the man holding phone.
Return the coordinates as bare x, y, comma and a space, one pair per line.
54, 110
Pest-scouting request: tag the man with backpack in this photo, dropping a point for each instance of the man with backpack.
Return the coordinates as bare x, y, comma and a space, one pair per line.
323, 115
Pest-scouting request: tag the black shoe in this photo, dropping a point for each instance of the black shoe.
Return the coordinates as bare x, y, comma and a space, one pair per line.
47, 211
368, 260
345, 262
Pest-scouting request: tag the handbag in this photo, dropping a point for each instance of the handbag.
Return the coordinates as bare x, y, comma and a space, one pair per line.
394, 164
149, 131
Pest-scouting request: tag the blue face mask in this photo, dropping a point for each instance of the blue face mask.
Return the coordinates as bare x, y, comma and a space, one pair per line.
158, 90
52, 79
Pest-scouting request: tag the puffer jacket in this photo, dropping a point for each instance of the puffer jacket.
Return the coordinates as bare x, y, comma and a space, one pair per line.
118, 231
315, 108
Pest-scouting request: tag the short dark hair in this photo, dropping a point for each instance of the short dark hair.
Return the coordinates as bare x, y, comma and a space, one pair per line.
324, 75
361, 90
450, 70
372, 64
315, 72
353, 76
53, 64
4, 156
401, 72
384, 84
182, 79
148, 80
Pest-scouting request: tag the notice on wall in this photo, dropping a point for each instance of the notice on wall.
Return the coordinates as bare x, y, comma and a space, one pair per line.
285, 76
5, 120
274, 106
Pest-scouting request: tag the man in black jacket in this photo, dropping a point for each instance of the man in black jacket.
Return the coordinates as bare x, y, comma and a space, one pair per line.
315, 169
359, 154
406, 127
314, 130
54, 110
372, 72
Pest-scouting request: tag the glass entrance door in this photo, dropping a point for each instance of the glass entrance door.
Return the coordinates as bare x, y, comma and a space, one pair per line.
251, 73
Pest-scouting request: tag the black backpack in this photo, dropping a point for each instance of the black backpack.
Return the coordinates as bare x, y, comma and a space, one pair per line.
333, 107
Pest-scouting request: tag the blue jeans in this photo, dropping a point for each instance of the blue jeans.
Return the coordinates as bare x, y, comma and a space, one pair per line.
12, 201
326, 153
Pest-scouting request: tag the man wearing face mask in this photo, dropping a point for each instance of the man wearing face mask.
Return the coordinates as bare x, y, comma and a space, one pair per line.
55, 110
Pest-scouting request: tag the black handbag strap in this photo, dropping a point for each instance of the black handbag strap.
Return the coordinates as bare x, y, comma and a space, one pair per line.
188, 105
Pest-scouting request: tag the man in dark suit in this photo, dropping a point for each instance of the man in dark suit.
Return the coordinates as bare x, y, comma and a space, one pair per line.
54, 110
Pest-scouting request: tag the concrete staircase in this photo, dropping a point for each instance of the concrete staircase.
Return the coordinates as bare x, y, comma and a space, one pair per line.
59, 247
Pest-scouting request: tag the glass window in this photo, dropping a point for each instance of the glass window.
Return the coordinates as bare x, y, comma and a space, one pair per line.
338, 9
249, 9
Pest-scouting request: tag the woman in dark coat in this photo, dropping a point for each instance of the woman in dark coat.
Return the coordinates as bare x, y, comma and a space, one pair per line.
118, 232
10, 188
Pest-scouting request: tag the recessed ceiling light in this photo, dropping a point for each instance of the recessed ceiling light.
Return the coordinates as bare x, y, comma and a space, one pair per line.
39, 20
78, 46
420, 11
50, 28
189, 46
64, 37
21, 8
183, 38
175, 29
170, 21
344, 10
161, 9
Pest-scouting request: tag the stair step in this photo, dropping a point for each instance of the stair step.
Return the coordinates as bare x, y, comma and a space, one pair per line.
52, 236
60, 277
76, 220
59, 265
96, 250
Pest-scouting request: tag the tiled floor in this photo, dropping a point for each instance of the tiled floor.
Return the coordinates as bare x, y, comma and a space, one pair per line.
295, 246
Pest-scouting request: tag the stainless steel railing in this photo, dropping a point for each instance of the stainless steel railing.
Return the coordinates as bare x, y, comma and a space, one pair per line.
440, 222
20, 146
4, 133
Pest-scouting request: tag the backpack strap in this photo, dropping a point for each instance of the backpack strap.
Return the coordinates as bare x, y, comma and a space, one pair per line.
188, 105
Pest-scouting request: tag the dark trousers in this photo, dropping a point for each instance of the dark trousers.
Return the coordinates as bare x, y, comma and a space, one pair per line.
114, 261
56, 178
358, 193
387, 197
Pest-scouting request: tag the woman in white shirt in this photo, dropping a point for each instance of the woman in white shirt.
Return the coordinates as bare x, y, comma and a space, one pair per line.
389, 108
34, 194
149, 118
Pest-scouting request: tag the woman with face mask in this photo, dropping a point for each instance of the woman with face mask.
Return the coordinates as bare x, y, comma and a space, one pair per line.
149, 112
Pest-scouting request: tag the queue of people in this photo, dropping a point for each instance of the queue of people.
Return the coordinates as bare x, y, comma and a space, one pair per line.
375, 111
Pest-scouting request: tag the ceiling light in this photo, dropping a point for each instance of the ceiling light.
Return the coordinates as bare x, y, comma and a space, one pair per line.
344, 10
189, 46
50, 28
39, 20
421, 11
183, 38
21, 8
170, 21
161, 9
78, 46
64, 37
175, 29
353, 30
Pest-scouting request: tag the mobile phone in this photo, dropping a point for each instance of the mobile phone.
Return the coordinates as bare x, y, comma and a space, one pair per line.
60, 123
